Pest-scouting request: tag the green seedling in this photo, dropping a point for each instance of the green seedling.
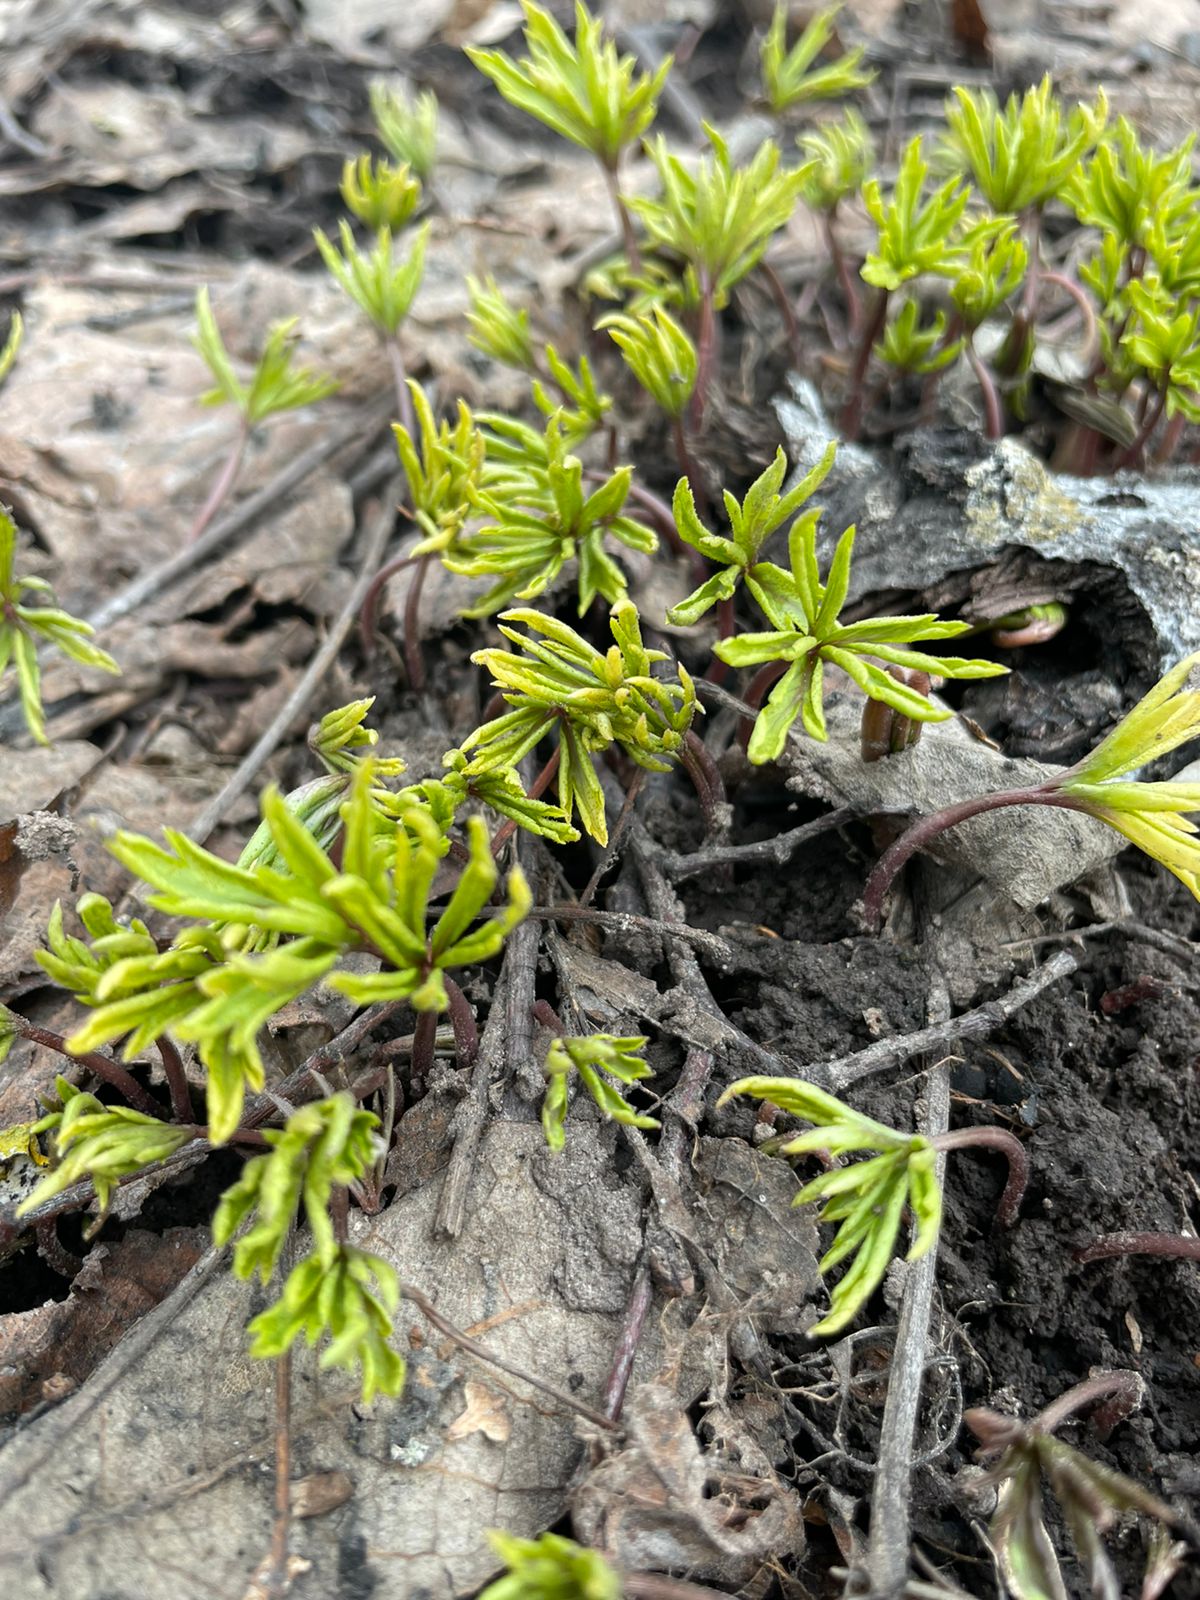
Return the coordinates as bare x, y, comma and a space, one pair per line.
751, 523
806, 634
586, 91
591, 1058
558, 685
538, 521
29, 617
909, 347
866, 1199
1027, 1460
794, 77
379, 194
550, 1568
406, 127
837, 159
382, 289
1023, 156
1127, 189
1153, 816
276, 384
660, 355
497, 327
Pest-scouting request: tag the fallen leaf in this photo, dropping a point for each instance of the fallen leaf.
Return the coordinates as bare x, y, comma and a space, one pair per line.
484, 1413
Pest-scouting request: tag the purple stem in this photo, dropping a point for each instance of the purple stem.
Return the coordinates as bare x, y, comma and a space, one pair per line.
424, 1039
368, 615
539, 786
1010, 1147
852, 412
785, 308
1180, 1246
462, 1020
844, 275
104, 1067
414, 663
927, 828
706, 778
633, 254
705, 346
1122, 1390
223, 487
181, 1094
408, 420
987, 388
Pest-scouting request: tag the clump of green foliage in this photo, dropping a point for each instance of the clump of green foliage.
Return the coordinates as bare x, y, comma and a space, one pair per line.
407, 127
29, 618
550, 1568
277, 383
794, 77
590, 1058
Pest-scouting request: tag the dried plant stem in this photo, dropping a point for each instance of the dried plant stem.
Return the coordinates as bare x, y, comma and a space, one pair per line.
223, 485
277, 1575
775, 851
1010, 1147
404, 402
378, 533
482, 1353
629, 922
112, 1072
617, 836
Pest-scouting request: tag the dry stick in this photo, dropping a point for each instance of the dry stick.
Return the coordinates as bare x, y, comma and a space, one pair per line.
1173, 944
269, 499
845, 1070
277, 1578
472, 1112
651, 1586
891, 1494
482, 1353
377, 537
775, 851
629, 922
636, 1311
617, 837
223, 487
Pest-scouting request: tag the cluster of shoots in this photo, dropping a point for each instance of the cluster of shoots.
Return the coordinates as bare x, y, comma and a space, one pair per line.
388, 893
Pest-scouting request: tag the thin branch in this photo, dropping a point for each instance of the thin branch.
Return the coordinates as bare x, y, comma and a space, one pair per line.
628, 922
775, 851
307, 685
482, 1353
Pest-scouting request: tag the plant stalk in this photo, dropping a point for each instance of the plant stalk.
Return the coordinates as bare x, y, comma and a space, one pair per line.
462, 1020
852, 412
1179, 1246
223, 487
368, 614
181, 1094
987, 389
103, 1066
1013, 1151
633, 254
404, 404
540, 784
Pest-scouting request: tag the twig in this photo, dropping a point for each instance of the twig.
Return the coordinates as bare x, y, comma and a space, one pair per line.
775, 851
636, 1309
296, 702
629, 922
482, 1353
277, 1579
837, 1075
1174, 944
358, 429
1180, 1246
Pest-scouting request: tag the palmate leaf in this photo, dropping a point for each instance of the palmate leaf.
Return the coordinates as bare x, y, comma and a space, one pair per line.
1127, 188
276, 383
584, 90
382, 288
916, 232
550, 1568
791, 77
23, 626
913, 348
1025, 154
444, 467
659, 354
557, 683
408, 128
327, 1142
865, 1199
347, 1298
751, 523
837, 160
806, 633
591, 1056
102, 1144
720, 218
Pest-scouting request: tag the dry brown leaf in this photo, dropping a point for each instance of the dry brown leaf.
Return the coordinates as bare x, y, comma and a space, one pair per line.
485, 1413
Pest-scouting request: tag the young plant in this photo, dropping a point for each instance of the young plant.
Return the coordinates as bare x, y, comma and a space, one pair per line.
408, 128
791, 77
557, 684
663, 359
379, 194
806, 633
276, 384
837, 160
382, 289
29, 617
584, 91
550, 1568
719, 219
1153, 816
1027, 1460
867, 1198
909, 347
497, 327
540, 520
1023, 156
215, 987
751, 523
591, 1058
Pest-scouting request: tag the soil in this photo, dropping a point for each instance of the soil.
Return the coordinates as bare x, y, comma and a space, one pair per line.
1098, 1076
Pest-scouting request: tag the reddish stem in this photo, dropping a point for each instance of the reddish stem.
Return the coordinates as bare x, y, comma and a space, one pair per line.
223, 486
718, 670
1122, 1390
706, 779
925, 829
104, 1067
787, 311
1133, 456
545, 1013
408, 420
540, 784
852, 412
462, 1020
424, 1040
368, 614
1010, 1147
987, 388
844, 276
1179, 1246
414, 662
633, 254
705, 346
181, 1094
